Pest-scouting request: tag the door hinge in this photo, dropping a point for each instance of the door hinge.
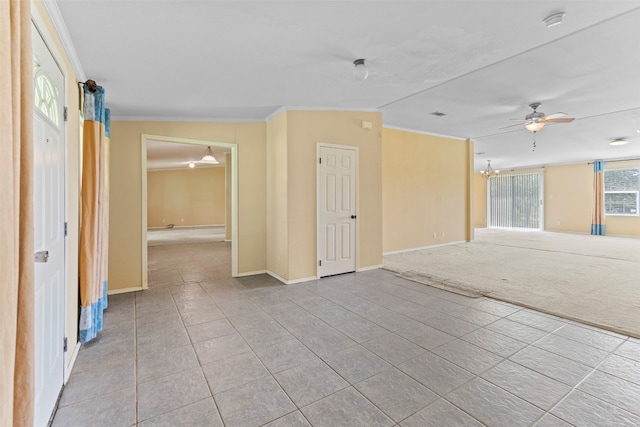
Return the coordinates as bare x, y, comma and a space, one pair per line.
320, 160
66, 229
64, 344
66, 114
320, 263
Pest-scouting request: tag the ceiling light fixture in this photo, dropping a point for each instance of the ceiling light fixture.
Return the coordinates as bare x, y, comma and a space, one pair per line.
360, 70
553, 19
489, 173
208, 157
534, 126
618, 141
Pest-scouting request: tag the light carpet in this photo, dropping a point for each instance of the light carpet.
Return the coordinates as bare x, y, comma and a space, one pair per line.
181, 235
591, 279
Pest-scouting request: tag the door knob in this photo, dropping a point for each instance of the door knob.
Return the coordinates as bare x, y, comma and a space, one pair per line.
42, 256
353, 217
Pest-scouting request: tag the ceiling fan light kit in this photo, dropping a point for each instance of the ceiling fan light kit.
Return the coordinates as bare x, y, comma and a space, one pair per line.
534, 126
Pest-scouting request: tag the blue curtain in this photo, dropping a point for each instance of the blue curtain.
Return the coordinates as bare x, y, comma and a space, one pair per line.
598, 226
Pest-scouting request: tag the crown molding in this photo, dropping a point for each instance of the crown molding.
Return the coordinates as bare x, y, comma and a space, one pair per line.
65, 38
421, 132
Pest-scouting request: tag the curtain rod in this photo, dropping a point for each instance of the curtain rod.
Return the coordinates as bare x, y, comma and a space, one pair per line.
91, 85
618, 160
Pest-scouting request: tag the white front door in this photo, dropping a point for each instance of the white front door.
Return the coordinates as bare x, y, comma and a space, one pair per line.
49, 223
336, 210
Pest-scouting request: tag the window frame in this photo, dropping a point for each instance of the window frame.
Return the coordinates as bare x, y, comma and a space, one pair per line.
635, 192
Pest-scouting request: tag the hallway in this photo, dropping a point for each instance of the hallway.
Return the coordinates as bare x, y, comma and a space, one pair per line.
200, 348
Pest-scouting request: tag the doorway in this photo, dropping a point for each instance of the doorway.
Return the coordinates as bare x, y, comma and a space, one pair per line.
516, 201
233, 188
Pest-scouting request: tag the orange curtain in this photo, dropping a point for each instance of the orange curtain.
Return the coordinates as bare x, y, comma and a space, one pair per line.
598, 226
16, 216
94, 232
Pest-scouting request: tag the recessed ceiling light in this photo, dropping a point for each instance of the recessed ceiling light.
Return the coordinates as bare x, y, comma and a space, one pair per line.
553, 19
618, 142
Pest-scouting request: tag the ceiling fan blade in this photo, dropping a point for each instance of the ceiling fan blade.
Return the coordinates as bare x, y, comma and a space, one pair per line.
562, 120
555, 116
520, 120
511, 126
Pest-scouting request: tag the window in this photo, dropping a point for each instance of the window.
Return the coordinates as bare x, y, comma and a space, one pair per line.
621, 188
45, 98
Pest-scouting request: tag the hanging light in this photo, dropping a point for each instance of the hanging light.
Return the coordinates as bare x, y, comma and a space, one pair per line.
489, 172
208, 157
360, 70
534, 126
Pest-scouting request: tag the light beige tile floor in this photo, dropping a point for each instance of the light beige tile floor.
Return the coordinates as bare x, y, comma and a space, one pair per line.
200, 348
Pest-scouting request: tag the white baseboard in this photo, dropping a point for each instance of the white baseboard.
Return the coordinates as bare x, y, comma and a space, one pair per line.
371, 267
290, 282
423, 247
74, 356
125, 290
251, 273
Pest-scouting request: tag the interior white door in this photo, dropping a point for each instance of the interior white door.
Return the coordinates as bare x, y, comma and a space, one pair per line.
337, 210
49, 233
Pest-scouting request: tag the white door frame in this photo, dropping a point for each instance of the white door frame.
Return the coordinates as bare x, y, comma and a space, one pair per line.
234, 196
319, 229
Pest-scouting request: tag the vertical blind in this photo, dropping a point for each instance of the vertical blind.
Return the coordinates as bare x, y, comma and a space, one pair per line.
515, 201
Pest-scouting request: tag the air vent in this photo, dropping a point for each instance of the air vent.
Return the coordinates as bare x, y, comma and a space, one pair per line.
438, 114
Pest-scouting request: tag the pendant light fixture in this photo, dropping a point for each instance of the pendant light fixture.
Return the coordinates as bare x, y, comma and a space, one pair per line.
208, 157
489, 172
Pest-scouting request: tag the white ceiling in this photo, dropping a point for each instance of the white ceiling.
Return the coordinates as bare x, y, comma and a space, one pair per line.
173, 155
481, 62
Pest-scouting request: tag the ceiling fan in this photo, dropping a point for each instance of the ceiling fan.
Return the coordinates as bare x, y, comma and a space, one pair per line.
535, 121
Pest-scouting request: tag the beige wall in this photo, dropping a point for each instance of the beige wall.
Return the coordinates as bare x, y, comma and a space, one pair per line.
479, 201
72, 163
277, 196
426, 190
186, 197
568, 200
305, 129
125, 233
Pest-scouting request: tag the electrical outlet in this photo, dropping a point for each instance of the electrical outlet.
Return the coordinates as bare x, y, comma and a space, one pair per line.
435, 235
